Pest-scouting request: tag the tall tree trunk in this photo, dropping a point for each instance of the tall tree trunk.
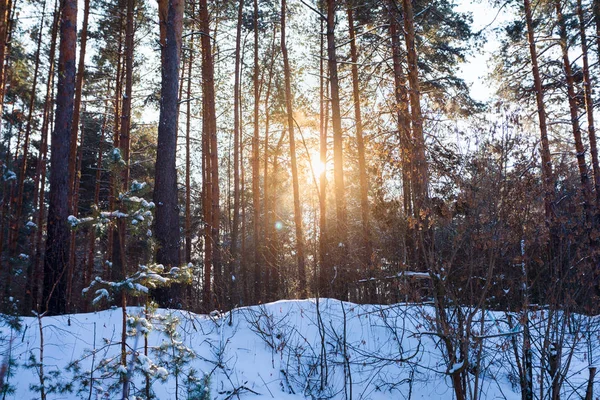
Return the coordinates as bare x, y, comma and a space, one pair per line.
300, 247
403, 125
92, 232
210, 132
23, 166
112, 231
270, 271
402, 111
419, 177
74, 161
573, 109
541, 109
77, 105
57, 242
207, 210
5, 27
40, 175
340, 277
236, 147
119, 255
188, 151
360, 144
165, 186
589, 103
258, 284
325, 275
596, 12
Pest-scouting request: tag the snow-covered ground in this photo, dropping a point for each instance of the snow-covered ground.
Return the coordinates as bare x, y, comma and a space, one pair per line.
284, 350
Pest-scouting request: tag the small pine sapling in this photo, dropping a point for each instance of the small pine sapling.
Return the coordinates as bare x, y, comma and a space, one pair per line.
134, 285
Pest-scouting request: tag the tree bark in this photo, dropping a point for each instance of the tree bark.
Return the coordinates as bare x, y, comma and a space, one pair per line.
300, 246
573, 109
74, 161
23, 166
419, 177
112, 231
325, 275
5, 26
236, 146
210, 132
340, 278
360, 145
57, 242
165, 182
402, 112
40, 176
258, 284
271, 271
541, 109
589, 103
188, 153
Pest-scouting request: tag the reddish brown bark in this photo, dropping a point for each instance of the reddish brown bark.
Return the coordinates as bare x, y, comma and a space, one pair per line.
33, 282
573, 109
23, 166
212, 259
57, 242
541, 109
188, 151
76, 152
236, 146
589, 103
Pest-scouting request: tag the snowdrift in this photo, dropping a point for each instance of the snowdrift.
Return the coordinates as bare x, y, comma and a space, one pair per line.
309, 349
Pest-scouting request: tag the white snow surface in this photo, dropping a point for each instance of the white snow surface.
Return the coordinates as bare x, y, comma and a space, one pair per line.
274, 351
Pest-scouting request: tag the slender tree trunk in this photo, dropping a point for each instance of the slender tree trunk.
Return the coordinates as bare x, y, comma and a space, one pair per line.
5, 27
210, 132
40, 176
258, 283
324, 264
188, 152
589, 103
119, 250
300, 247
419, 177
23, 165
541, 109
206, 208
236, 146
74, 160
77, 105
57, 242
403, 116
165, 186
268, 255
596, 12
112, 233
573, 109
360, 144
92, 232
340, 278
403, 125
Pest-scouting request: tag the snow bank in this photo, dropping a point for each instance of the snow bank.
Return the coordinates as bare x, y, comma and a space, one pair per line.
282, 350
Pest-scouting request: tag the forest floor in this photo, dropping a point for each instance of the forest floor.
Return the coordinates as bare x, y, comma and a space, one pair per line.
284, 350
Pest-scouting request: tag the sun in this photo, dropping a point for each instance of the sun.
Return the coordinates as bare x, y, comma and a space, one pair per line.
317, 166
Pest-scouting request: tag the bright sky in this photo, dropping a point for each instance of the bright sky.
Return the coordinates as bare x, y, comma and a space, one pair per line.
476, 69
